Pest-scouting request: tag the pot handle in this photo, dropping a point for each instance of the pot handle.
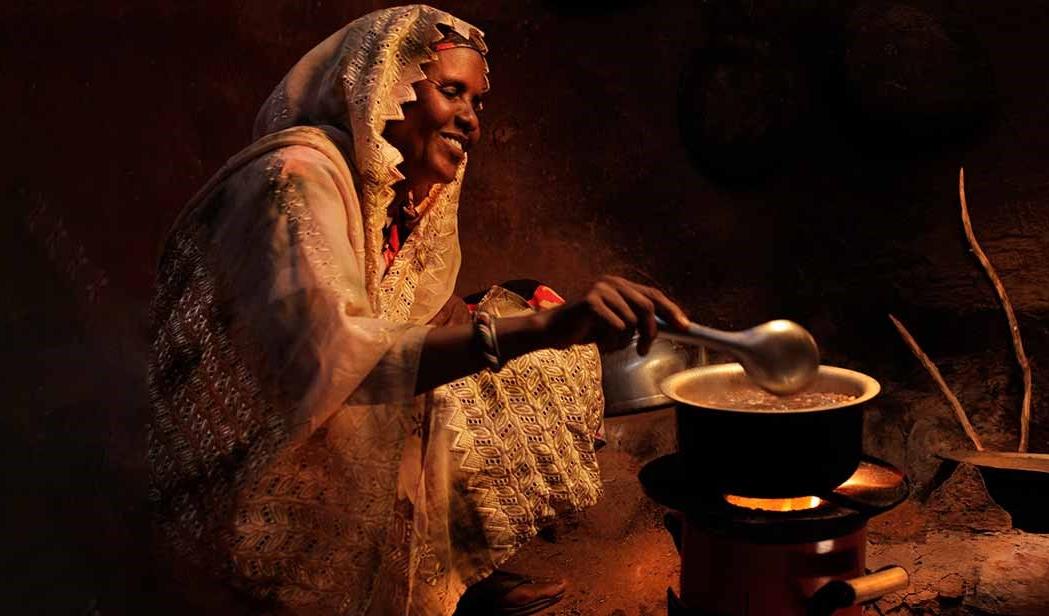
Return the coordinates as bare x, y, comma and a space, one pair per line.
838, 594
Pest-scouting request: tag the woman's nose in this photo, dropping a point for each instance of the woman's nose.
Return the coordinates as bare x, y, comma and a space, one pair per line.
467, 119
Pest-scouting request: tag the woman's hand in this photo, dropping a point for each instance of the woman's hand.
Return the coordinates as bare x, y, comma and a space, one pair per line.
609, 314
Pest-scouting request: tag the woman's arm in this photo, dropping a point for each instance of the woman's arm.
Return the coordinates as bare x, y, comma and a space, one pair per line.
449, 353
608, 314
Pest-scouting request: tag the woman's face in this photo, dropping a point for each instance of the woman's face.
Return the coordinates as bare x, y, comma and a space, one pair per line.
441, 125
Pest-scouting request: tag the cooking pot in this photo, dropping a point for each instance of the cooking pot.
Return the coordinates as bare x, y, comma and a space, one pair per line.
768, 453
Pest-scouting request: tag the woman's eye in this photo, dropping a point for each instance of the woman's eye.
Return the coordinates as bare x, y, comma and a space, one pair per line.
450, 91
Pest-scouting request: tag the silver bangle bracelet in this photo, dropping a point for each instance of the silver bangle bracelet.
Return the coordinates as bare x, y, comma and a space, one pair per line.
487, 341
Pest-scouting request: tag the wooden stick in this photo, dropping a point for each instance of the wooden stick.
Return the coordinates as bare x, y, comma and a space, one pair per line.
959, 412
1014, 328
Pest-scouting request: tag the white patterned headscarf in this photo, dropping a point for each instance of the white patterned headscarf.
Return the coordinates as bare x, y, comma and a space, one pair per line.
357, 80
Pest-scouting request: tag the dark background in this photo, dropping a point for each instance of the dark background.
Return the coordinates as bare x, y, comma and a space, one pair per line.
756, 159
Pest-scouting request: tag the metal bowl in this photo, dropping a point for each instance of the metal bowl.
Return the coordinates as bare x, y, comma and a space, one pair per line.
631, 382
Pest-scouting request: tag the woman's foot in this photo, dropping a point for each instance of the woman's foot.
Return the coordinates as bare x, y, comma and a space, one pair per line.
504, 593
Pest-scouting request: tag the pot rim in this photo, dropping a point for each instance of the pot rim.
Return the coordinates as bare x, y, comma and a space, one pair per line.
869, 387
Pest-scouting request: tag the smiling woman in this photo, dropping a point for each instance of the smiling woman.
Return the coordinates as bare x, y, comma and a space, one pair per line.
439, 127
442, 124
333, 432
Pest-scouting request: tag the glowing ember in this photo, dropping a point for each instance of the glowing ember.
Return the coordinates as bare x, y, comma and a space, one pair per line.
799, 503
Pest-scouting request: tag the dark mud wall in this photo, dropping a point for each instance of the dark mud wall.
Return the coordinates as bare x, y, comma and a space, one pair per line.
757, 161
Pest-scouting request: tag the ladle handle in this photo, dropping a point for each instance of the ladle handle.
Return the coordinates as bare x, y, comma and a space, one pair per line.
701, 335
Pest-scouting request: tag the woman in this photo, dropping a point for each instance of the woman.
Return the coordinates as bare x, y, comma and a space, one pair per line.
332, 432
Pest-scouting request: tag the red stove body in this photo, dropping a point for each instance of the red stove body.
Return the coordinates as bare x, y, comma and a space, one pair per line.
726, 574
775, 557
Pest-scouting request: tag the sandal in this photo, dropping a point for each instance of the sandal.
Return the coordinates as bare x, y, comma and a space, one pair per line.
504, 593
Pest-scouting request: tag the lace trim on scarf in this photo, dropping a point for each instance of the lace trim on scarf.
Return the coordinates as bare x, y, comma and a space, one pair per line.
376, 78
423, 254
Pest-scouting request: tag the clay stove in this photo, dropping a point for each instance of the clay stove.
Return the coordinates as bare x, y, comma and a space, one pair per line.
801, 556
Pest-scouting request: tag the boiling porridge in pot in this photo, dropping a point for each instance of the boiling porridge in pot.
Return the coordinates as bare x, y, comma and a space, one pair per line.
752, 398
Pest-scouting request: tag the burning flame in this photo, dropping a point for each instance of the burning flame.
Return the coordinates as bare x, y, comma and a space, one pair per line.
799, 503
867, 477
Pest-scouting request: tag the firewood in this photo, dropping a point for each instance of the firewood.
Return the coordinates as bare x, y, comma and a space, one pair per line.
1014, 328
959, 411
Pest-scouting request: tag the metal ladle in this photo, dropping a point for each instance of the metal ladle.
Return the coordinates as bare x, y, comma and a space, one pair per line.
779, 356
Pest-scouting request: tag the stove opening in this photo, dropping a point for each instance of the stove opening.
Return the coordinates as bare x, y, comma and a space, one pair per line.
799, 503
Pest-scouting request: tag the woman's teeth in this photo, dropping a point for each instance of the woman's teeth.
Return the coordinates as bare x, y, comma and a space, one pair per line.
454, 143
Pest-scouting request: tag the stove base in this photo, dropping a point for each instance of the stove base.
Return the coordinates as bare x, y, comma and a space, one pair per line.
724, 575
795, 559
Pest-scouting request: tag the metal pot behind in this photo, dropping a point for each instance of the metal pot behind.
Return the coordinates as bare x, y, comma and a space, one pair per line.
770, 454
631, 382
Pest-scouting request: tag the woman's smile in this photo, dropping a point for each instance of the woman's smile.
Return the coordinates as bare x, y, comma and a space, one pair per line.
458, 143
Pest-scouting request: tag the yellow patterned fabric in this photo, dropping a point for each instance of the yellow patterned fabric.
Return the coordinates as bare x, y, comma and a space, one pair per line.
290, 457
506, 453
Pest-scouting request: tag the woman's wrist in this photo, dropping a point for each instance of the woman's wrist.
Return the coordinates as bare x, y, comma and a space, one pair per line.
521, 335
